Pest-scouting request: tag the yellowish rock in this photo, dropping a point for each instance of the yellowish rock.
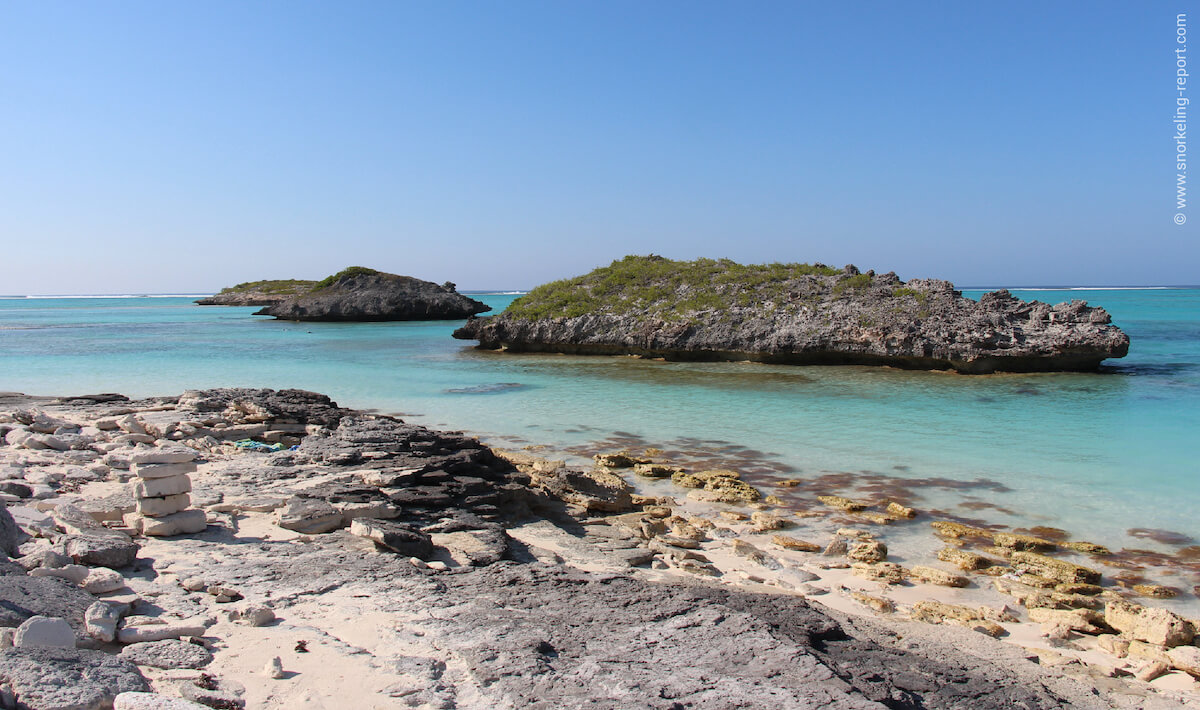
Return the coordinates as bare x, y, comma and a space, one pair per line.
900, 511
946, 528
1152, 625
733, 515
1149, 651
842, 503
1186, 659
1023, 542
868, 551
618, 459
933, 575
764, 522
1052, 568
1087, 548
879, 604
1113, 644
963, 559
1156, 591
1082, 620
791, 543
655, 470
886, 572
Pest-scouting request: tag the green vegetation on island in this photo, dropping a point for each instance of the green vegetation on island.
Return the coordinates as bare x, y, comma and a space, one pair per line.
654, 285
344, 273
274, 287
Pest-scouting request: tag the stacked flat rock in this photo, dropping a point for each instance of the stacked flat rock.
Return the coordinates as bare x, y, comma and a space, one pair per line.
160, 488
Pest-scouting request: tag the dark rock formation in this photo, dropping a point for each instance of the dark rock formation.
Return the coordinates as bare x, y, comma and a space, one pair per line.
797, 314
258, 293
45, 678
22, 596
358, 294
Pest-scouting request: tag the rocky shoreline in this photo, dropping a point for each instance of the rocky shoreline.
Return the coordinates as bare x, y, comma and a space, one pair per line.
350, 559
797, 314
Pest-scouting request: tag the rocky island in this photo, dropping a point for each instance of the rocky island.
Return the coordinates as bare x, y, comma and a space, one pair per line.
436, 572
362, 294
258, 293
796, 314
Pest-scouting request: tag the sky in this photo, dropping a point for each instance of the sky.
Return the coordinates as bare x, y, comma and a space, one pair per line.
181, 147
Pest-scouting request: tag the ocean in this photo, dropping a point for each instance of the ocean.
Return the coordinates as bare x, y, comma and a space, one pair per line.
1108, 457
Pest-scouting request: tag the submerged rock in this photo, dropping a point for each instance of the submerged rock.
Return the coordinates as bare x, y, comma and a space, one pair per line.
359, 294
796, 314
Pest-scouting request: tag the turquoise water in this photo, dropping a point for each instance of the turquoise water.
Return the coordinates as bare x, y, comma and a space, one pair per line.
1094, 454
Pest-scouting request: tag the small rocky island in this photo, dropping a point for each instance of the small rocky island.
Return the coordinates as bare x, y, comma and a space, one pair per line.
258, 293
362, 294
796, 314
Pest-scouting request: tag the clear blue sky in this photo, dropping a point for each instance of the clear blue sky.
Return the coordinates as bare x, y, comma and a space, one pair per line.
181, 147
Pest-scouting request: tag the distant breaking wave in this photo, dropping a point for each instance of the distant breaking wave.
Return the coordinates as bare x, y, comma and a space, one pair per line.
1074, 288
111, 295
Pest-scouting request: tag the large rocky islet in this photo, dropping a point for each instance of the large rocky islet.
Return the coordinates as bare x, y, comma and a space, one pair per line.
442, 573
796, 314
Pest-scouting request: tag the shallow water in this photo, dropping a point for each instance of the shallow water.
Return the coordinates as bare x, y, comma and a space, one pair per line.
1094, 454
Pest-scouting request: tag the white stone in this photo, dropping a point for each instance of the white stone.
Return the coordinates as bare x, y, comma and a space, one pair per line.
163, 470
274, 668
1185, 658
372, 509
44, 631
137, 630
183, 523
253, 615
72, 573
168, 486
171, 453
153, 701
102, 580
18, 437
130, 425
101, 619
158, 507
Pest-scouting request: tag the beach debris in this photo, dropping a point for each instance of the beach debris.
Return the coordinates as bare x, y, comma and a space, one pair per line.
301, 646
